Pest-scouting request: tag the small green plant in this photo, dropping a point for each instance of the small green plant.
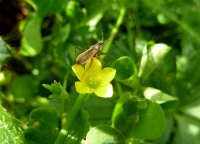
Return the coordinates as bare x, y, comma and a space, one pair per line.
132, 116
145, 89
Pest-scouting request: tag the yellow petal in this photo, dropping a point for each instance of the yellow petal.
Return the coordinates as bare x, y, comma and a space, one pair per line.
78, 70
92, 69
106, 75
82, 88
104, 91
93, 65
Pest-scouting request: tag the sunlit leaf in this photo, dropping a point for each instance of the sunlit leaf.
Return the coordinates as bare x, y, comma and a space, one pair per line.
187, 130
165, 100
152, 55
32, 39
104, 135
126, 71
10, 130
5, 77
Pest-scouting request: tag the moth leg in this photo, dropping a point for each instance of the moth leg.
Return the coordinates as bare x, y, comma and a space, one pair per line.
102, 53
87, 69
97, 56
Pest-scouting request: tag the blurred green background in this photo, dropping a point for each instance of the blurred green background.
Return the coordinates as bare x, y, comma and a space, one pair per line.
41, 36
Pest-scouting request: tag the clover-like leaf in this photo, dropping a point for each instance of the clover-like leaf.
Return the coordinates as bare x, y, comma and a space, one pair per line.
137, 122
165, 100
126, 71
57, 90
104, 135
43, 128
152, 55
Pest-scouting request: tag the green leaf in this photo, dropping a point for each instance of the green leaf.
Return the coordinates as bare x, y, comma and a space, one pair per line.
187, 131
79, 128
105, 135
57, 6
138, 122
59, 41
32, 39
141, 103
43, 6
5, 77
74, 12
4, 53
165, 100
152, 55
192, 109
126, 71
165, 137
94, 104
151, 124
57, 90
44, 126
9, 128
24, 87
125, 110
62, 35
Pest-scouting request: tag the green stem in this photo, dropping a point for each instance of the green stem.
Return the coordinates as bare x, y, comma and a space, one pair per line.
63, 101
135, 92
32, 4
66, 127
119, 89
65, 80
114, 31
15, 55
138, 25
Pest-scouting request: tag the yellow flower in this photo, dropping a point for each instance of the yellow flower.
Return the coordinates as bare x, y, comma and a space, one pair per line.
93, 79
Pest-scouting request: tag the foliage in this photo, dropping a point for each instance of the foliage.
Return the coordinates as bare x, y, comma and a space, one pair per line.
154, 48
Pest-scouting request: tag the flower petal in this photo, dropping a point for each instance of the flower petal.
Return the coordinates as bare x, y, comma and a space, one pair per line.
104, 91
106, 75
82, 88
78, 70
93, 65
92, 69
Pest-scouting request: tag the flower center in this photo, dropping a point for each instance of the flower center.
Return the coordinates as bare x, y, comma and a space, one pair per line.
93, 80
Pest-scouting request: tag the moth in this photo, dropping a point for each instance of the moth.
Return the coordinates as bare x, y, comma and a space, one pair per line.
93, 51
89, 53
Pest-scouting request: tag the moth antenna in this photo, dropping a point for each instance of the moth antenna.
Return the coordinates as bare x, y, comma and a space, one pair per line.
102, 34
78, 49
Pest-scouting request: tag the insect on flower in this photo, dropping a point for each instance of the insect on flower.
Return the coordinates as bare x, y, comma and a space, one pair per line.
93, 51
94, 78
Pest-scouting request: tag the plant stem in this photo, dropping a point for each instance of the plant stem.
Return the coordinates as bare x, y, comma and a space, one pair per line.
119, 89
114, 31
66, 127
63, 101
